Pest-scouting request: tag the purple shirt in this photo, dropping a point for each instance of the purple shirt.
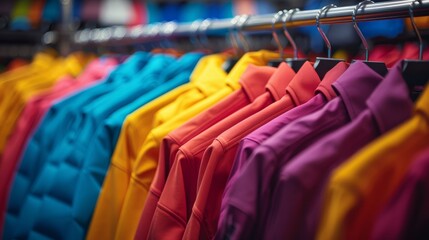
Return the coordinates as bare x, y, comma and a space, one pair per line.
246, 203
406, 215
297, 198
324, 93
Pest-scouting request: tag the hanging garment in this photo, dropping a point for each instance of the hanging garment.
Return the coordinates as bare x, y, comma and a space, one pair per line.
32, 115
188, 159
22, 90
56, 124
224, 145
244, 214
366, 182
218, 162
297, 198
41, 62
100, 148
324, 93
83, 155
187, 184
147, 159
406, 214
205, 80
253, 83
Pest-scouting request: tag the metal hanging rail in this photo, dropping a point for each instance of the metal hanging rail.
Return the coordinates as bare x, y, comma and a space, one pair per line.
258, 23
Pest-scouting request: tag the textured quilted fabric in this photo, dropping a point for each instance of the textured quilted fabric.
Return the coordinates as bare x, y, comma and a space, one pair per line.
56, 123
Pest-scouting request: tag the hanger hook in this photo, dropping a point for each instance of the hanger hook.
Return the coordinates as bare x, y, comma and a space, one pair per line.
274, 32
358, 31
286, 18
195, 26
240, 24
416, 30
202, 32
325, 38
232, 38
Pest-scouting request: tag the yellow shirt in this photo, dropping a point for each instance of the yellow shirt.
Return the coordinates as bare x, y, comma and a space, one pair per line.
145, 166
359, 188
40, 63
20, 90
134, 131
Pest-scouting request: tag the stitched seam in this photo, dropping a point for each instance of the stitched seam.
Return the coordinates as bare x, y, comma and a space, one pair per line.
171, 213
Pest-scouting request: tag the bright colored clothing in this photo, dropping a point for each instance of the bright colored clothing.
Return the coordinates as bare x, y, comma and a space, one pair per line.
218, 157
298, 194
205, 79
250, 197
406, 214
57, 123
146, 164
22, 90
366, 182
324, 93
253, 84
183, 176
32, 115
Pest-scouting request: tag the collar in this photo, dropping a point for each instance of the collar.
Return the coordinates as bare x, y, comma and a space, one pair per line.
98, 68
130, 66
185, 63
390, 102
355, 85
259, 58
254, 80
208, 76
280, 80
74, 63
43, 59
301, 88
325, 86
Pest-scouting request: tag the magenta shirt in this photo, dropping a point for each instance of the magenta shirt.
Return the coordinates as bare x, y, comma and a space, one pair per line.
246, 203
33, 113
297, 200
324, 93
406, 216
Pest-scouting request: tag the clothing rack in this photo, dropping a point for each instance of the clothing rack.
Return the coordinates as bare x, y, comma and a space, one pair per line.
257, 23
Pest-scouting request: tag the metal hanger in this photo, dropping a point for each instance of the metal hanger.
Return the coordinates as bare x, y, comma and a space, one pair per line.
323, 65
379, 67
415, 72
238, 41
245, 46
295, 63
194, 39
280, 48
202, 34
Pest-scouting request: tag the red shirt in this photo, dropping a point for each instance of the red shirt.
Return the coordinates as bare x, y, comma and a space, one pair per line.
180, 189
219, 157
185, 173
252, 83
